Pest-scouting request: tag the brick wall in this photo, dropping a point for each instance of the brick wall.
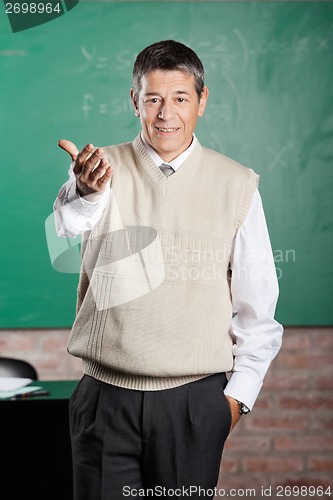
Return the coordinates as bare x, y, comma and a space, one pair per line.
45, 349
286, 441
288, 438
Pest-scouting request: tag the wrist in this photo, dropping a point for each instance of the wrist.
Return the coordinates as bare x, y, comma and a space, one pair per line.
242, 408
90, 196
234, 410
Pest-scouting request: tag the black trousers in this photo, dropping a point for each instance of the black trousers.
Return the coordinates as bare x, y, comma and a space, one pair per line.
162, 444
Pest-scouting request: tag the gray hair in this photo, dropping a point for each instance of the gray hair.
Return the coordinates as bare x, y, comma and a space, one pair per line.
168, 55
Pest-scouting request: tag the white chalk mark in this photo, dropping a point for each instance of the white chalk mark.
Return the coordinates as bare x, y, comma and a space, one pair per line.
278, 156
86, 106
233, 87
244, 45
12, 53
87, 56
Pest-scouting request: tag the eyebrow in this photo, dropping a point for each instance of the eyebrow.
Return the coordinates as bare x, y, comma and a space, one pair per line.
177, 92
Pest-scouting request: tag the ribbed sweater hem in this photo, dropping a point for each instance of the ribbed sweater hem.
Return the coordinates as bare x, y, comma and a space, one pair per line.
136, 382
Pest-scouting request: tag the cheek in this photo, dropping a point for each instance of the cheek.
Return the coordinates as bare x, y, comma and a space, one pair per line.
145, 117
191, 120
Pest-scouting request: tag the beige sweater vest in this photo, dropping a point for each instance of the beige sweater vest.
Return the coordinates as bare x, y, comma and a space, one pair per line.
154, 306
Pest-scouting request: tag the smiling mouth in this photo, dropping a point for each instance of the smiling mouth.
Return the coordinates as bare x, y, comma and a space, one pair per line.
167, 130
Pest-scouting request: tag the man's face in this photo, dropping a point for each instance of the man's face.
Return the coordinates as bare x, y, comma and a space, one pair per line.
168, 107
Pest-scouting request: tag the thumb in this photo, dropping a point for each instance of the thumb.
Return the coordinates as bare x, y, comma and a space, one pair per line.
69, 147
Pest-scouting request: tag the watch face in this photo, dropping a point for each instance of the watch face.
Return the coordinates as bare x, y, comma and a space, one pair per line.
243, 409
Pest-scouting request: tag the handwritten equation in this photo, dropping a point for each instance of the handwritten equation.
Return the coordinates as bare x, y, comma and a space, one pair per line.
114, 106
226, 59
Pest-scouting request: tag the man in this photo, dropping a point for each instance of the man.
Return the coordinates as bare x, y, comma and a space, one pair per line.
177, 288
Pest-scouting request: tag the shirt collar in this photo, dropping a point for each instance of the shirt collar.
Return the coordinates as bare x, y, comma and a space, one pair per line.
177, 162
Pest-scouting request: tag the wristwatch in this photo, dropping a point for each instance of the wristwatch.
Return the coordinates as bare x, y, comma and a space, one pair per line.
242, 408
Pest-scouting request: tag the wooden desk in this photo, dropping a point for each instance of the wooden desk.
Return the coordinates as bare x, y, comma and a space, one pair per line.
35, 445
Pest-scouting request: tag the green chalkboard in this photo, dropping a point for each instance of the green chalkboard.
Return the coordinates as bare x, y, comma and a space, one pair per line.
269, 68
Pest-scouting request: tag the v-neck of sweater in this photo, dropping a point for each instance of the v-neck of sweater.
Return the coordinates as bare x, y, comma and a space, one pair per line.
157, 177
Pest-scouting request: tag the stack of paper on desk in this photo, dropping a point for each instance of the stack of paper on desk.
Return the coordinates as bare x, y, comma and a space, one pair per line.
10, 386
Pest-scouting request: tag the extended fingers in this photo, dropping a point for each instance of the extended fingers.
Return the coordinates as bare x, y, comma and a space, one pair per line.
91, 164
69, 147
82, 157
97, 171
106, 175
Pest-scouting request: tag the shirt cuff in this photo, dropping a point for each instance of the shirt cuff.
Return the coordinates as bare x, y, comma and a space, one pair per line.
243, 388
74, 197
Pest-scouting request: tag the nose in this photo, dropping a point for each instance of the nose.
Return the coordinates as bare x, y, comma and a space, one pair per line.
166, 111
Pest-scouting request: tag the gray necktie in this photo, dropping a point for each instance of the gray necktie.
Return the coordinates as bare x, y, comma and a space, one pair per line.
167, 169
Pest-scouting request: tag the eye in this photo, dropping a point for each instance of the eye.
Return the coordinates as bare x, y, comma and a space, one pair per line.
152, 100
181, 99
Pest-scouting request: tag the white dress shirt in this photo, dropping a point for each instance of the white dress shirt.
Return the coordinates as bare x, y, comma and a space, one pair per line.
254, 288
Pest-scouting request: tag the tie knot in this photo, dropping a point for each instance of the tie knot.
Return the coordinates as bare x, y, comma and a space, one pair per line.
166, 169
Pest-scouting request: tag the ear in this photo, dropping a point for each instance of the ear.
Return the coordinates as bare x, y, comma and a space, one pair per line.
136, 107
203, 101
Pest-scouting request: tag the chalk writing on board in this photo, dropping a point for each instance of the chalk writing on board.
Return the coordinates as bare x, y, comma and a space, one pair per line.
91, 105
217, 56
278, 156
237, 98
225, 111
219, 53
93, 60
125, 60
244, 46
223, 56
297, 45
222, 110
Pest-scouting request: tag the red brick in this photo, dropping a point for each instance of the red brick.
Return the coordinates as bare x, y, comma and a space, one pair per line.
322, 339
295, 341
264, 401
4, 342
243, 482
308, 360
321, 463
277, 423
322, 423
54, 344
302, 443
247, 443
50, 364
15, 343
317, 401
229, 465
323, 382
308, 480
273, 464
284, 381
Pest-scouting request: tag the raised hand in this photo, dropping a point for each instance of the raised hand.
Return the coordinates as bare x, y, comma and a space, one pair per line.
92, 171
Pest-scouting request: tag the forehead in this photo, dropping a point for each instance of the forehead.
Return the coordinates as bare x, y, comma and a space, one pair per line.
168, 81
